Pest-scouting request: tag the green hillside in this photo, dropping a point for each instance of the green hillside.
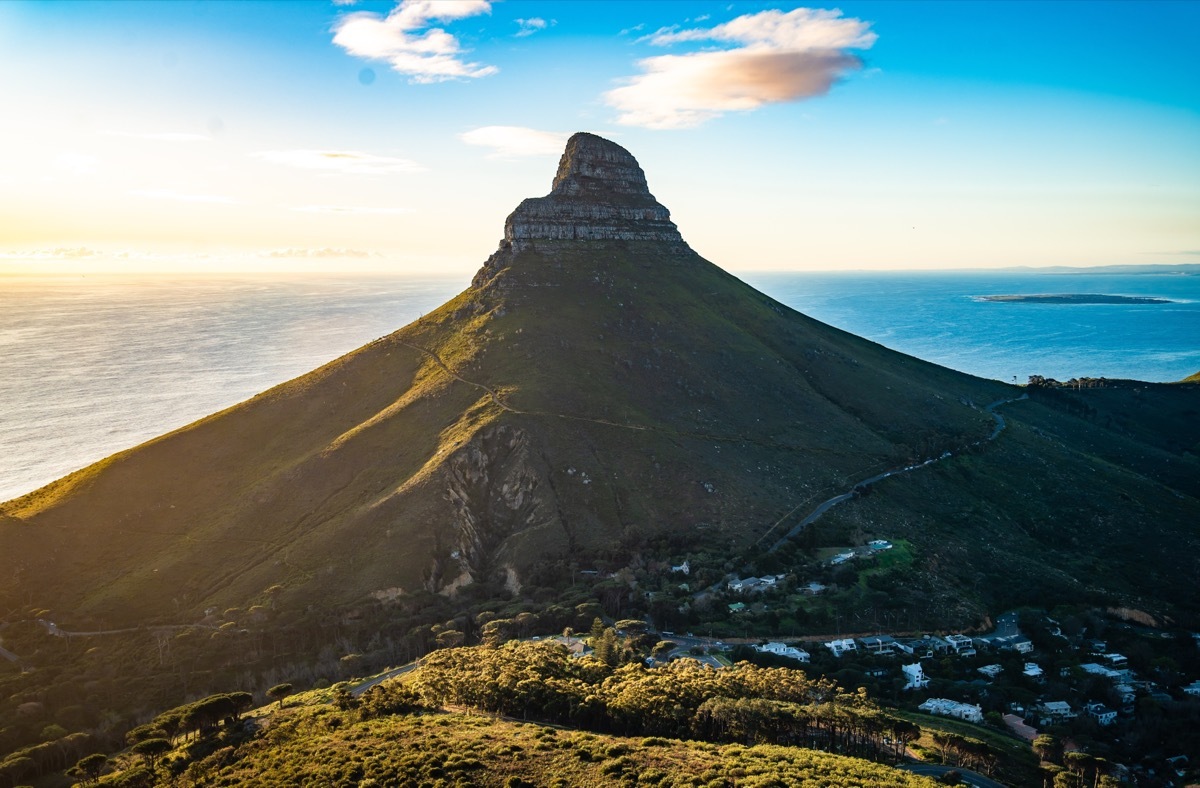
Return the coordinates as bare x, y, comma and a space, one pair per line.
600, 404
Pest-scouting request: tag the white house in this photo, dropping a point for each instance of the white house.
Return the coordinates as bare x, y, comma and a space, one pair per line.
959, 642
1056, 711
840, 647
878, 644
1193, 688
685, 568
1103, 714
783, 650
1033, 671
991, 671
915, 675
952, 708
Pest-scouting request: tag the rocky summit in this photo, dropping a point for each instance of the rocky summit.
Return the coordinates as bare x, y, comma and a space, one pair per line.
599, 193
600, 399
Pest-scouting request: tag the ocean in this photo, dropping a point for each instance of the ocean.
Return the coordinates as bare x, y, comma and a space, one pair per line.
93, 365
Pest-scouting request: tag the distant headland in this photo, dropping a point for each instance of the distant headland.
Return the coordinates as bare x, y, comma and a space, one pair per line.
1073, 298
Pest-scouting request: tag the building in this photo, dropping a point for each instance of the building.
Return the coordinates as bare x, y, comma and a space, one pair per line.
915, 676
782, 650
840, 647
991, 671
952, 708
1055, 711
1103, 714
1017, 643
1193, 688
1033, 671
1099, 670
685, 568
961, 644
879, 644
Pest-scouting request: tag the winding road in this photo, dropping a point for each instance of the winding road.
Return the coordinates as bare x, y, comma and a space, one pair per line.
858, 487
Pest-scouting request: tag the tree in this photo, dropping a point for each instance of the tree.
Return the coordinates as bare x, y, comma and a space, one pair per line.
279, 692
89, 767
152, 749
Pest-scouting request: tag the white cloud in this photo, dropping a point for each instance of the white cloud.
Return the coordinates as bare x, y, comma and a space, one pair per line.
76, 163
343, 161
771, 57
171, 194
160, 136
405, 39
512, 141
345, 2
349, 209
635, 29
308, 254
529, 26
59, 253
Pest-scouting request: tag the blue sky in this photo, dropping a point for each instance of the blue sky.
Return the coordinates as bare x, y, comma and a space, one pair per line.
389, 136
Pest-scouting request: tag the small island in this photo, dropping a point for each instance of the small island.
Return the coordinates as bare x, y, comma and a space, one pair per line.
1073, 298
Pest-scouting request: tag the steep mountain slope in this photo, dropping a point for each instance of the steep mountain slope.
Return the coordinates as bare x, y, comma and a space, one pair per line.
599, 388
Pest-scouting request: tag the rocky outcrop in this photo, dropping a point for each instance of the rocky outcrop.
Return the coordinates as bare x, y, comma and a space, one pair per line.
599, 193
494, 485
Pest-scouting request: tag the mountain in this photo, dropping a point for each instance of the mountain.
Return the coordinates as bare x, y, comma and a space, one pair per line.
598, 396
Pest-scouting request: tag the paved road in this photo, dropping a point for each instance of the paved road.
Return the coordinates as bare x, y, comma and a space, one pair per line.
934, 770
382, 677
865, 483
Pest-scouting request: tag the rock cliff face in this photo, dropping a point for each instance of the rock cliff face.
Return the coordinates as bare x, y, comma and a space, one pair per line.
599, 193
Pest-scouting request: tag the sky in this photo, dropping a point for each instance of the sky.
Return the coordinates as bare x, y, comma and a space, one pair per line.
396, 137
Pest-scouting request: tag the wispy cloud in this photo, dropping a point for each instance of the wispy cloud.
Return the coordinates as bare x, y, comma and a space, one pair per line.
635, 29
349, 209
514, 141
308, 254
159, 136
58, 253
406, 39
528, 27
772, 56
175, 196
343, 161
75, 163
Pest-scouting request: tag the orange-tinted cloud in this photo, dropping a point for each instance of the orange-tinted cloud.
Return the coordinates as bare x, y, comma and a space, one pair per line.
776, 57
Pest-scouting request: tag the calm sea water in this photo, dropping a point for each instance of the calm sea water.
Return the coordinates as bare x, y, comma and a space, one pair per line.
92, 365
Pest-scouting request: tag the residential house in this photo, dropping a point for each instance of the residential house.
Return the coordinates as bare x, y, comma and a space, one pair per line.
879, 644
930, 645
1033, 671
1103, 714
961, 644
879, 544
737, 607
991, 671
1055, 711
952, 708
915, 676
685, 568
1099, 670
1127, 695
576, 647
1193, 688
1116, 660
840, 647
780, 649
1017, 643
